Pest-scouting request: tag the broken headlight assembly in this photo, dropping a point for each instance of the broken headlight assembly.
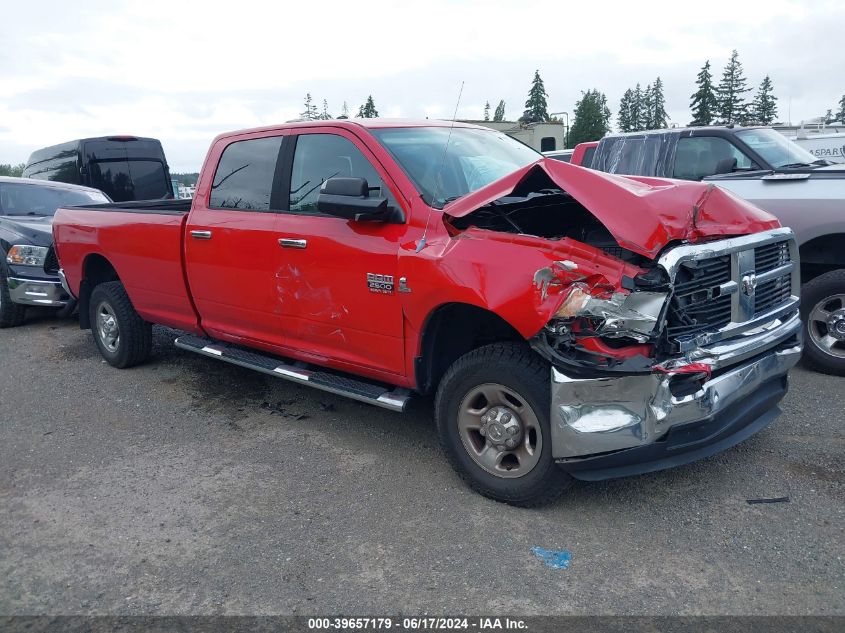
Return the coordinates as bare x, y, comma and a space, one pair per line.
598, 326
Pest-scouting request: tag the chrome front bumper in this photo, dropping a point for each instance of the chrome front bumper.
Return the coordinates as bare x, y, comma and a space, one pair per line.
37, 292
602, 415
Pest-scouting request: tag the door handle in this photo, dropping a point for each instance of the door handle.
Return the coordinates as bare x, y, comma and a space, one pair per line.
201, 235
286, 242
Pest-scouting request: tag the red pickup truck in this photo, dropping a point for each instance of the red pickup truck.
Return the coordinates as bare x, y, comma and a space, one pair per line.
572, 324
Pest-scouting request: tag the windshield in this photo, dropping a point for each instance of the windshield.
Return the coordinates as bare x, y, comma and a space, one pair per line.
135, 179
25, 199
776, 149
475, 158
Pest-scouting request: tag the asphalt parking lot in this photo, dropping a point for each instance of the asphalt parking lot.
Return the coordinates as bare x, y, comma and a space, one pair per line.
190, 487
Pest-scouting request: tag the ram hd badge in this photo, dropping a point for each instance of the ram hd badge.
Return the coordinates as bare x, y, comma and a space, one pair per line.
382, 284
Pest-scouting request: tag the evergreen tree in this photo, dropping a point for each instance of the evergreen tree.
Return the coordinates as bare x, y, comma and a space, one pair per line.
636, 112
764, 109
310, 112
344, 111
499, 114
841, 116
368, 110
487, 111
592, 118
732, 106
645, 110
536, 108
658, 118
704, 103
623, 119
324, 115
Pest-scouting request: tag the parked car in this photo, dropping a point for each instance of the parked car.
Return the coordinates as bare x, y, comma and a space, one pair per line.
764, 167
124, 167
581, 154
571, 324
563, 155
29, 270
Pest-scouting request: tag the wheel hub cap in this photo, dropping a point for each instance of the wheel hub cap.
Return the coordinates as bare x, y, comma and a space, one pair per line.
836, 325
502, 428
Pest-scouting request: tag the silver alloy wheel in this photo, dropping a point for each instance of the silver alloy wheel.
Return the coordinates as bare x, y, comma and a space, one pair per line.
107, 328
500, 431
826, 325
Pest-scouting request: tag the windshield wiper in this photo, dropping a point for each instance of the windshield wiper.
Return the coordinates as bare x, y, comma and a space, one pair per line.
794, 165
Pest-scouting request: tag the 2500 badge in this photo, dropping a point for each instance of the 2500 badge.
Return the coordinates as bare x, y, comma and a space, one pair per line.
380, 283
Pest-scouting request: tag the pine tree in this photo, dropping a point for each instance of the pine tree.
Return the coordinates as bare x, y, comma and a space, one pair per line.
324, 115
764, 109
592, 118
499, 114
841, 116
645, 110
658, 117
310, 112
487, 111
344, 111
636, 112
536, 108
623, 119
704, 103
732, 106
368, 109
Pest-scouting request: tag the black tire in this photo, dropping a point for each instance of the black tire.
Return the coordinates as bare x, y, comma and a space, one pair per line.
814, 293
11, 314
519, 369
134, 341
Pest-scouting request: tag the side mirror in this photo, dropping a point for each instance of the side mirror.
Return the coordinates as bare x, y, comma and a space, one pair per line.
725, 166
349, 198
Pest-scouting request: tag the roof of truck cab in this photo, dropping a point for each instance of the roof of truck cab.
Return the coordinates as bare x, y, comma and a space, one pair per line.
676, 130
358, 123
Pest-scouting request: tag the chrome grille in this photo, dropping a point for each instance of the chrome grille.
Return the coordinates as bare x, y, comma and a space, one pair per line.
770, 256
697, 303
721, 289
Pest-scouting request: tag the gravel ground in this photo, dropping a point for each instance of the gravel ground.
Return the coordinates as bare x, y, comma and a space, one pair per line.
191, 487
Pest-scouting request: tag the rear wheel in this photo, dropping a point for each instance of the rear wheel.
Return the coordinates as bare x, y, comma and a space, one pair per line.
122, 336
11, 314
492, 413
823, 312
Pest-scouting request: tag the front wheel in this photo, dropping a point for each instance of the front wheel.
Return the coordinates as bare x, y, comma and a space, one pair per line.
823, 312
122, 336
492, 414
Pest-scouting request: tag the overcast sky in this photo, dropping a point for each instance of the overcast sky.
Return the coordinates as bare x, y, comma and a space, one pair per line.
184, 71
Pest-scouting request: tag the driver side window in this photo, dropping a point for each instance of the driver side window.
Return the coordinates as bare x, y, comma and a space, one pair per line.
699, 156
319, 157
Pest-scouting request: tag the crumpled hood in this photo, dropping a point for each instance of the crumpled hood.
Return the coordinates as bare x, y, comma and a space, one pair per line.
642, 214
36, 230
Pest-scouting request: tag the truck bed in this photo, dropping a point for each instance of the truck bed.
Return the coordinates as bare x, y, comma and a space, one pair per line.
143, 242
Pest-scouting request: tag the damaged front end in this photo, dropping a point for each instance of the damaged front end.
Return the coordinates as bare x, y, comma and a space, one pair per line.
680, 351
685, 360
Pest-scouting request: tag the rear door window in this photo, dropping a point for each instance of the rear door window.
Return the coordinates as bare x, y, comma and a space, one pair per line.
244, 176
699, 156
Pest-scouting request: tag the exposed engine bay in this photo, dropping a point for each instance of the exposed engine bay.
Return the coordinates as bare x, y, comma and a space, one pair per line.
597, 326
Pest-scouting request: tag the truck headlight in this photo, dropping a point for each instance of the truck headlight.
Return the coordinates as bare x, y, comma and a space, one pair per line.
22, 255
633, 315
